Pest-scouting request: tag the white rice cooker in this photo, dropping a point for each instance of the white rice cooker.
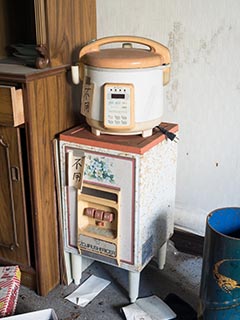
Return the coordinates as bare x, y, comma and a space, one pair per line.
122, 89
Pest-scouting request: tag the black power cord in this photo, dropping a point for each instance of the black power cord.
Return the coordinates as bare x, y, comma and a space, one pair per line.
170, 135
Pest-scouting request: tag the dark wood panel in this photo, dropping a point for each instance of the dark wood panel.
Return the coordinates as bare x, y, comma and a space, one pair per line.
71, 23
17, 24
4, 31
65, 26
21, 23
14, 245
47, 114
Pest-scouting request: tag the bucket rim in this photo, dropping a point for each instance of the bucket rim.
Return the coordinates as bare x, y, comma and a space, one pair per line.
216, 231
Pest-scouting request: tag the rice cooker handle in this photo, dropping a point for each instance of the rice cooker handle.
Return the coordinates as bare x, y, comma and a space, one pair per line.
153, 45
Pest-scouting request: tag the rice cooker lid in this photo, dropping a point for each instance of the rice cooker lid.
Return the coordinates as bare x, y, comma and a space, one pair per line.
123, 58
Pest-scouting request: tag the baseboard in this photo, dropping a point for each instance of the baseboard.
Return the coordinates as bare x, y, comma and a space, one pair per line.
188, 242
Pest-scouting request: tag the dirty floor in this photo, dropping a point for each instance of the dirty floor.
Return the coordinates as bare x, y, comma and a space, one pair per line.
181, 276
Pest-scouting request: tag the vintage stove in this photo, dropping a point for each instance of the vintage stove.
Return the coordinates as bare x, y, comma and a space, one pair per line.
118, 196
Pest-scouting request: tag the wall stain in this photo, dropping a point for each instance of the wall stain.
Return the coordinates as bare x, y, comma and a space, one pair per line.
201, 51
172, 95
175, 45
206, 46
175, 41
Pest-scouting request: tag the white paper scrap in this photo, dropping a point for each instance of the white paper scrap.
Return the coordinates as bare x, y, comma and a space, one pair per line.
133, 312
150, 308
87, 291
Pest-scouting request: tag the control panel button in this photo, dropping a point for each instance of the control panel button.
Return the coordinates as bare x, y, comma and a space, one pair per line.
119, 102
98, 214
108, 216
89, 212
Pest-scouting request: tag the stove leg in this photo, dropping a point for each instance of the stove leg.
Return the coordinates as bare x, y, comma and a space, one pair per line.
76, 268
134, 280
162, 252
67, 259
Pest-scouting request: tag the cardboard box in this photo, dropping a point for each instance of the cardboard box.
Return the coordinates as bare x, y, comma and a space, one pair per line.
9, 288
46, 314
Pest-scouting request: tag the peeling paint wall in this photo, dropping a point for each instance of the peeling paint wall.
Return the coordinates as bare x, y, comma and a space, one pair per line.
203, 96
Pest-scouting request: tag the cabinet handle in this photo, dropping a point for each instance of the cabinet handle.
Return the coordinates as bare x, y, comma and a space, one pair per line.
10, 246
15, 174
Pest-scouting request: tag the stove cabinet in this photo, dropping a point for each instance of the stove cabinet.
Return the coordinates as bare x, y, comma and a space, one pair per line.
122, 214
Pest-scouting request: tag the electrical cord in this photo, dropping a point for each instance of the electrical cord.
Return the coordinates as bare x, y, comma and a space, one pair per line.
170, 135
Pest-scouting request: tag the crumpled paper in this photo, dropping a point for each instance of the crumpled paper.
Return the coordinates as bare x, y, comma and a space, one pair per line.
87, 291
150, 308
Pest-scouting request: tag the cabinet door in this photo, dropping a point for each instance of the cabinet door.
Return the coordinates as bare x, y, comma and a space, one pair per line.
14, 246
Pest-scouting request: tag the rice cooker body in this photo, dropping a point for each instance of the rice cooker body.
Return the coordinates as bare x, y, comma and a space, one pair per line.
123, 88
147, 105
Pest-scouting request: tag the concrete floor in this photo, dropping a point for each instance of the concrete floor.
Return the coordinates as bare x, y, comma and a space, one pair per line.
181, 275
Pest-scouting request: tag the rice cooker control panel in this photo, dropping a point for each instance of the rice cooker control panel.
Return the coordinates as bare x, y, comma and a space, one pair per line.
118, 106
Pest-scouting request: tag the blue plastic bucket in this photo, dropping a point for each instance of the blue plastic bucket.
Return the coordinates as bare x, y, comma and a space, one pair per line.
220, 280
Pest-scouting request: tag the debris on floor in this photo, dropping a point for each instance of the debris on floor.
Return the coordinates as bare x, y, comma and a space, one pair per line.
181, 276
87, 291
47, 314
150, 308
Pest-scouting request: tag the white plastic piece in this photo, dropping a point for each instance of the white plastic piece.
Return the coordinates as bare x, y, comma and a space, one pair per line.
75, 74
147, 133
76, 268
96, 132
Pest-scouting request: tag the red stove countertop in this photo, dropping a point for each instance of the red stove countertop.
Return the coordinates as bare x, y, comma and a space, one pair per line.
131, 143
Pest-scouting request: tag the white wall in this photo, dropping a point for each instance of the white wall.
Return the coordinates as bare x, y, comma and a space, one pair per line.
203, 96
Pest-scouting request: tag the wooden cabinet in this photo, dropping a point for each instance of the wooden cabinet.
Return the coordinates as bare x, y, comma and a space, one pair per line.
14, 243
29, 226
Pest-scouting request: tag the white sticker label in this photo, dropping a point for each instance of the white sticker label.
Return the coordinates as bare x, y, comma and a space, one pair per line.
75, 161
97, 246
87, 96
